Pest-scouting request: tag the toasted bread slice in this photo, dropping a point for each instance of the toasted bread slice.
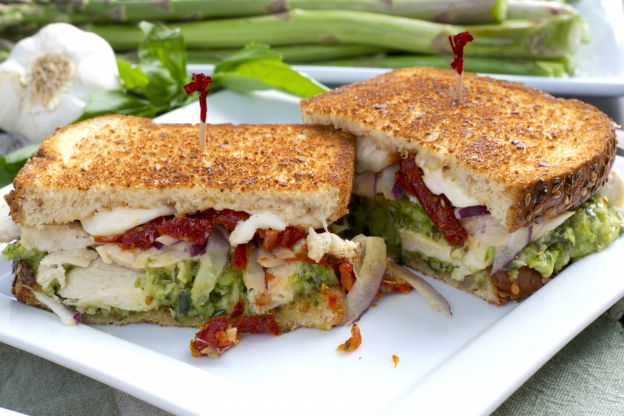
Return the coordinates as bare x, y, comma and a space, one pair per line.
301, 173
527, 155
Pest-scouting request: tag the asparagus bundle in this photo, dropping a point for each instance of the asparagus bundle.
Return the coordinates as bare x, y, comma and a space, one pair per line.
536, 38
133, 11
521, 36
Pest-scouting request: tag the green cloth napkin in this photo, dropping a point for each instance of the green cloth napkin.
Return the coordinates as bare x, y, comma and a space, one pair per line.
585, 378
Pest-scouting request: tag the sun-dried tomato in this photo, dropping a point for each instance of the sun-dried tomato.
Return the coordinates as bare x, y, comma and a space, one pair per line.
353, 342
238, 310
196, 228
286, 238
346, 275
141, 237
332, 300
212, 336
239, 257
223, 332
193, 230
437, 207
304, 258
226, 217
259, 324
392, 285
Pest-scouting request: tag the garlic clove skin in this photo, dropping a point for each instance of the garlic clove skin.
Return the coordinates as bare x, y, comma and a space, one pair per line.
50, 76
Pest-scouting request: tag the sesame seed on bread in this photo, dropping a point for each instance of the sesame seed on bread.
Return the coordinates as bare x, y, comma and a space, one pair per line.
525, 154
301, 173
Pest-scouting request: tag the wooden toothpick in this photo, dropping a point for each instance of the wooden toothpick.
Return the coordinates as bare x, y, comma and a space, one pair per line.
200, 83
458, 42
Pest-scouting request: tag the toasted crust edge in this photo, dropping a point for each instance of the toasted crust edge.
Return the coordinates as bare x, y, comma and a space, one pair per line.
496, 289
27, 196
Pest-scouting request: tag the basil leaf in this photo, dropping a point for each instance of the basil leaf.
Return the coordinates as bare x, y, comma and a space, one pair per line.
132, 76
161, 88
257, 67
13, 162
250, 52
120, 102
166, 47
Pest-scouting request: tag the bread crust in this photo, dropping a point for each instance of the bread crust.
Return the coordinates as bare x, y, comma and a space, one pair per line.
496, 289
521, 149
309, 311
293, 170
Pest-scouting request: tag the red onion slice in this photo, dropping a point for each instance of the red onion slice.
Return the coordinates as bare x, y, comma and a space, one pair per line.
434, 299
157, 245
197, 249
67, 315
472, 211
368, 276
506, 254
397, 191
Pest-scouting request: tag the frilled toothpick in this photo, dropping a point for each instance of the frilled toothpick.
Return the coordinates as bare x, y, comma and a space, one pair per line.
200, 83
458, 42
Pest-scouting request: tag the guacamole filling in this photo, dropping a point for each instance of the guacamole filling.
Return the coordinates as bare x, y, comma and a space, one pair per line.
185, 288
592, 227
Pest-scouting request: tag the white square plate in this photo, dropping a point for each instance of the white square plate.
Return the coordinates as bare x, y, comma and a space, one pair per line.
600, 64
466, 364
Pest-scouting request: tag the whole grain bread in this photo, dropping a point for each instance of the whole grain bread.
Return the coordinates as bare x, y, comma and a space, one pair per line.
526, 154
497, 289
302, 173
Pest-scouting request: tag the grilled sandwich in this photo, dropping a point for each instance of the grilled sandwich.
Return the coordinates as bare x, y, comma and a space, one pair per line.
494, 195
122, 221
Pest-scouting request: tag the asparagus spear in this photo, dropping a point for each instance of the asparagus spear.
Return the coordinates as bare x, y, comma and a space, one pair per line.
536, 38
531, 9
545, 68
124, 11
298, 53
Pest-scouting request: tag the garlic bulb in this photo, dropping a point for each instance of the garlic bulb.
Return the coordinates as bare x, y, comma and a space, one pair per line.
47, 79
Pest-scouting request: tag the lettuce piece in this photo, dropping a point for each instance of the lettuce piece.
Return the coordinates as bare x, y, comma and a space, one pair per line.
31, 256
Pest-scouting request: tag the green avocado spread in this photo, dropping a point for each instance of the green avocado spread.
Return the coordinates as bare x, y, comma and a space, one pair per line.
197, 287
592, 227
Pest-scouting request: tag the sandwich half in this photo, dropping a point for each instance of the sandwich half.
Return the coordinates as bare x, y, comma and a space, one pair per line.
494, 195
122, 221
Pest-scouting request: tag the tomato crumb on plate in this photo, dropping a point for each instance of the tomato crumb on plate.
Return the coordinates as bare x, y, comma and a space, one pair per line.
353, 342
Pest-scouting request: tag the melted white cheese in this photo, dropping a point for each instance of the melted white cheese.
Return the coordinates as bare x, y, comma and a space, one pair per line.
386, 181
439, 182
52, 238
119, 220
329, 243
371, 157
245, 230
